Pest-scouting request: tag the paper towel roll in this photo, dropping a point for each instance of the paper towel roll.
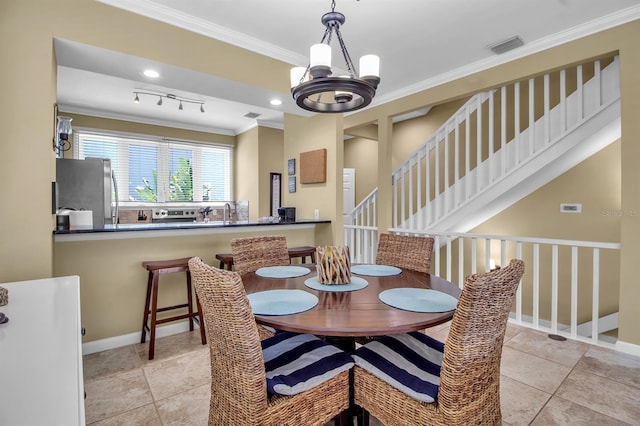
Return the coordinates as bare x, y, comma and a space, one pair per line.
80, 218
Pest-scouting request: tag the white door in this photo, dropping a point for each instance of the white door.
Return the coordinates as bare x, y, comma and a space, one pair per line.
348, 190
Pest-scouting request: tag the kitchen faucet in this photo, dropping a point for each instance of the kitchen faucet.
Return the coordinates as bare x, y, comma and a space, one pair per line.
227, 207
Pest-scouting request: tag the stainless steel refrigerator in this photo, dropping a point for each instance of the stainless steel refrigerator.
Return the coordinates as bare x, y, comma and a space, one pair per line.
87, 185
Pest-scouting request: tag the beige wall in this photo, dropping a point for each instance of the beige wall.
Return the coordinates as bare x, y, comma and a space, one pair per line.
271, 146
246, 170
595, 184
323, 131
362, 154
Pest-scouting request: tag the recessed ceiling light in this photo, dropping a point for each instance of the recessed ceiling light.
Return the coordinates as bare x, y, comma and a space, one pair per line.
151, 73
276, 102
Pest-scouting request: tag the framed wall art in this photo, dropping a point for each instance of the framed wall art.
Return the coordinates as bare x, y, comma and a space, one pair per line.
292, 184
291, 166
276, 193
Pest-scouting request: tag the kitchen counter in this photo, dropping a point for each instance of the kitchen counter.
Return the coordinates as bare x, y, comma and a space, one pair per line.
149, 230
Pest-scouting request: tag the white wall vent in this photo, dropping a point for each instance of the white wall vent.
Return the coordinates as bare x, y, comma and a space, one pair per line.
570, 208
506, 45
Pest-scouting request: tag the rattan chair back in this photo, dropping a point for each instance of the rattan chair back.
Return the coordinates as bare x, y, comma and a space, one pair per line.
470, 374
238, 377
405, 251
253, 253
469, 392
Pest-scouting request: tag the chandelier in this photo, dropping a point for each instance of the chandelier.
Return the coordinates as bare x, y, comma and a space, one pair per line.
314, 88
170, 96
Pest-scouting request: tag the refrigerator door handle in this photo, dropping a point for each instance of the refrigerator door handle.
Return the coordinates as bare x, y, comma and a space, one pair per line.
114, 218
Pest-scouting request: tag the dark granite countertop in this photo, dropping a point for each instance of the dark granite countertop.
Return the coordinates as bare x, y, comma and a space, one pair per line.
176, 226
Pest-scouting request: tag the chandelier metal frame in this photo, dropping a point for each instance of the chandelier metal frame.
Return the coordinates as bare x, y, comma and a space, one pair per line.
350, 92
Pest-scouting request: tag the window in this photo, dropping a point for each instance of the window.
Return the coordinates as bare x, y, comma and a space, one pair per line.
154, 170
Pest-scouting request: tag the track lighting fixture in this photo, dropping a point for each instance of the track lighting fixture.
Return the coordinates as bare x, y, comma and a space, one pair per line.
170, 96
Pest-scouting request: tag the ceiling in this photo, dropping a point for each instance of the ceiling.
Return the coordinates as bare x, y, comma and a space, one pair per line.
420, 44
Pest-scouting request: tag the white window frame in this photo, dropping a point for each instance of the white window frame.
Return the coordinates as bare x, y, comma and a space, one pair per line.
163, 145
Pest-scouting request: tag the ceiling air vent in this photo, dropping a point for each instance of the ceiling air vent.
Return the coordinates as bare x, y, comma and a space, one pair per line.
252, 115
506, 45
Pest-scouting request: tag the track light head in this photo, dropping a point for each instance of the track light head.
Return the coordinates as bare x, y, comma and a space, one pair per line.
159, 100
180, 107
136, 99
201, 107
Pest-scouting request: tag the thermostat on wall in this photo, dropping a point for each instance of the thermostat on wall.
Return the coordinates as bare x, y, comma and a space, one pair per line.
570, 208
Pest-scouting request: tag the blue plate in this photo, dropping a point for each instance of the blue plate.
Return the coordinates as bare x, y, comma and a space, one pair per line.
376, 270
282, 271
281, 302
356, 283
418, 299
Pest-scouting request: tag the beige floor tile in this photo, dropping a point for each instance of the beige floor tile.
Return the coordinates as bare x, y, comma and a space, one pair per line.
170, 346
613, 365
559, 411
567, 352
531, 370
143, 416
175, 375
520, 403
110, 362
602, 395
115, 394
512, 330
187, 408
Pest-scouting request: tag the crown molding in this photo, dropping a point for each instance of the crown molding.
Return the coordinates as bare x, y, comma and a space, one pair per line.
191, 23
62, 107
597, 25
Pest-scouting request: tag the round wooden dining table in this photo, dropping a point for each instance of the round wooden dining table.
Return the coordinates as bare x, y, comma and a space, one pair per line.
355, 313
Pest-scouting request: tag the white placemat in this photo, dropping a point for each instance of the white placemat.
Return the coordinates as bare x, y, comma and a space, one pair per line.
375, 270
281, 302
282, 271
356, 283
418, 300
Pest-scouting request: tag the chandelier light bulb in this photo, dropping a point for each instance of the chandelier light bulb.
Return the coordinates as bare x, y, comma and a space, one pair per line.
369, 66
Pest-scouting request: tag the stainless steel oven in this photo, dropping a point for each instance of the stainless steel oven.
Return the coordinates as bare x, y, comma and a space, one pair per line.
174, 215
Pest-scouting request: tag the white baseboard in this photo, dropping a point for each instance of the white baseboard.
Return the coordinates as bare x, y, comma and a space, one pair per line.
133, 338
628, 348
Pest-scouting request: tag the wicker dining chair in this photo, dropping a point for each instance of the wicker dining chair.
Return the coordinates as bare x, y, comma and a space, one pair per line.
253, 253
245, 372
405, 251
455, 383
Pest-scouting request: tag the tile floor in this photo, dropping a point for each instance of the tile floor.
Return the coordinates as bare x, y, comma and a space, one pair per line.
544, 382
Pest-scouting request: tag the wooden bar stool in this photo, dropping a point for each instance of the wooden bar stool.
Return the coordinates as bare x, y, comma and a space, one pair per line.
302, 253
161, 267
226, 260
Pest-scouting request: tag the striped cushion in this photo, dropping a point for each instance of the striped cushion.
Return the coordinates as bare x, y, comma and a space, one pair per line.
409, 362
298, 362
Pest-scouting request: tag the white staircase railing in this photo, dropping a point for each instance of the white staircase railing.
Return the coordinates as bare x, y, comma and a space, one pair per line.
492, 137
569, 288
474, 156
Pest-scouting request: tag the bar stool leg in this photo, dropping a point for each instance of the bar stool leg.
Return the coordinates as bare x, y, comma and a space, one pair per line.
154, 310
189, 300
145, 317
